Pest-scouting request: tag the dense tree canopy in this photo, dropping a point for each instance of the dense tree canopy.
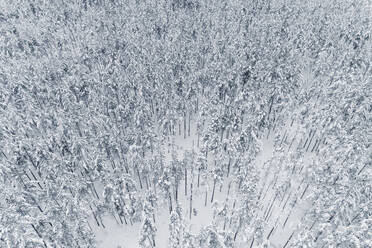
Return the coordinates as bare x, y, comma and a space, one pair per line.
92, 93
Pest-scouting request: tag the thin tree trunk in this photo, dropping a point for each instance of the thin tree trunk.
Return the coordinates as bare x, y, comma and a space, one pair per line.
232, 211
268, 133
184, 125
198, 177
362, 169
117, 222
290, 237
268, 187
285, 133
179, 128
38, 183
274, 127
310, 141
197, 105
285, 222
272, 204
139, 177
100, 218
185, 181
291, 144
191, 199
307, 186
237, 230
38, 234
299, 143
170, 203
312, 225
252, 243
189, 123
224, 223
307, 139
205, 202
93, 188
316, 143
214, 187
228, 167
275, 181
147, 183
95, 216
268, 236
228, 190
121, 221
150, 241
176, 191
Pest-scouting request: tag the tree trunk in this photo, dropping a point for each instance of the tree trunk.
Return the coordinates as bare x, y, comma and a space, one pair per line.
228, 190
189, 124
205, 202
290, 237
316, 143
290, 145
310, 141
252, 242
268, 134
268, 187
184, 125
139, 177
307, 186
285, 133
197, 105
191, 199
268, 236
95, 216
232, 211
307, 139
237, 230
185, 181
228, 167
116, 219
362, 169
170, 203
147, 183
198, 177
176, 191
286, 201
214, 187
224, 223
272, 204
38, 234
285, 222
93, 188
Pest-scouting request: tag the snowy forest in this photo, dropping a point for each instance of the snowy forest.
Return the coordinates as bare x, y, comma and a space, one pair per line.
185, 124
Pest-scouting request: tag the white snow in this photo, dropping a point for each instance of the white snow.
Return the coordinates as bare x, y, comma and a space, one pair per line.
127, 236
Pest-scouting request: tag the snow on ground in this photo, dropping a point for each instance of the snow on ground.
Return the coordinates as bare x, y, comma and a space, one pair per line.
281, 216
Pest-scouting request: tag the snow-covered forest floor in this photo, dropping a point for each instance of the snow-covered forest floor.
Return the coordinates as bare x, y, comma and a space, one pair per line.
281, 217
